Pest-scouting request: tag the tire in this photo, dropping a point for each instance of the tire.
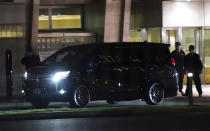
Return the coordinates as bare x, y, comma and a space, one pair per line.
154, 94
79, 97
111, 102
39, 103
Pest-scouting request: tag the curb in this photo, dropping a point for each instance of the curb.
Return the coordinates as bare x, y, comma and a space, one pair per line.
107, 112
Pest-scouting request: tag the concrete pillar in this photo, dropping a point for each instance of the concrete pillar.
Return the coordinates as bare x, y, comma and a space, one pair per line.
117, 20
202, 54
112, 21
144, 34
31, 31
164, 36
35, 22
28, 22
126, 21
179, 35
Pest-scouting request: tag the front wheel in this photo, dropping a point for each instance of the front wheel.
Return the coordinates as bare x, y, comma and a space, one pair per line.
154, 94
79, 97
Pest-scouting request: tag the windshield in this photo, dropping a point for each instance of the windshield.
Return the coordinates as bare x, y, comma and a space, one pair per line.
58, 57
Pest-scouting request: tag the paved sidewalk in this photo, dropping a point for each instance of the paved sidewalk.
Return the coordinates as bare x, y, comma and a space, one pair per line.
205, 88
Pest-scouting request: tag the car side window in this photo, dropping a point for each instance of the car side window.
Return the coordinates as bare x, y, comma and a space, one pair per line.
162, 56
136, 56
105, 57
121, 56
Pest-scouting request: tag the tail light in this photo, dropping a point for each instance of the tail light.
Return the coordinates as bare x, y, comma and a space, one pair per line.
172, 61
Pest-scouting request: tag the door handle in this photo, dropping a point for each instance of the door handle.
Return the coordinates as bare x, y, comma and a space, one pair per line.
120, 69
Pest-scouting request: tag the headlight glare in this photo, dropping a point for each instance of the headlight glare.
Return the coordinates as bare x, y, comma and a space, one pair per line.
190, 74
60, 75
25, 74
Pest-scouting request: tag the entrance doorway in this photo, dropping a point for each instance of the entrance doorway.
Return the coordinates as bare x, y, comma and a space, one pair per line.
171, 38
191, 36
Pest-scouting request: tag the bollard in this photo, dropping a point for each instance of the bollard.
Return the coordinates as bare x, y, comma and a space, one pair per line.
189, 88
9, 72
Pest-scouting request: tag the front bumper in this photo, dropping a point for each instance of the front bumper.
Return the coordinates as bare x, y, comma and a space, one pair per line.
45, 88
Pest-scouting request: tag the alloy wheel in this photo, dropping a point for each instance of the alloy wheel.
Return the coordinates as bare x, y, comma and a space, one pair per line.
156, 93
81, 96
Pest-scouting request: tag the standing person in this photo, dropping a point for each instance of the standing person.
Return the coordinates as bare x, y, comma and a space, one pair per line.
179, 55
194, 65
30, 59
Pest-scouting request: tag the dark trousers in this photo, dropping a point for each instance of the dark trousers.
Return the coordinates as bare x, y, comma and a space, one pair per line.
197, 81
180, 77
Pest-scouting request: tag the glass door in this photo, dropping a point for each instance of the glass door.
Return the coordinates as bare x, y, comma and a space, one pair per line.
171, 38
188, 38
207, 55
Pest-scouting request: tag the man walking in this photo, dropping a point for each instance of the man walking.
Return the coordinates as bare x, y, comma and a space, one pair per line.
194, 65
179, 56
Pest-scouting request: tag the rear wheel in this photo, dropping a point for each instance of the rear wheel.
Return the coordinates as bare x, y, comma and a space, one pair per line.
154, 94
79, 97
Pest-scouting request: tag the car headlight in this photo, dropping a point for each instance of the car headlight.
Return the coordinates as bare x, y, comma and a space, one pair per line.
60, 75
25, 75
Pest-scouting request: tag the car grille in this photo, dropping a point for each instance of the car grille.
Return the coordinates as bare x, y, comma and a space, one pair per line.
41, 81
33, 83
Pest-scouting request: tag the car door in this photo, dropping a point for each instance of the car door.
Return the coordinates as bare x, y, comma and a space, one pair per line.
104, 72
127, 68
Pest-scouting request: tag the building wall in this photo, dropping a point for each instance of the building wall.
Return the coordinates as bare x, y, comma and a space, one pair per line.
152, 13
18, 47
184, 14
94, 17
12, 14
136, 20
146, 14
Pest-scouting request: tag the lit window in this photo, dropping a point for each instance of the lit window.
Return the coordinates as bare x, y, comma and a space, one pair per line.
60, 18
66, 18
11, 31
43, 19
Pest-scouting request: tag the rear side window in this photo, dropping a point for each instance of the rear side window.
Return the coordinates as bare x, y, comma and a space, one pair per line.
121, 55
105, 56
162, 55
136, 56
130, 55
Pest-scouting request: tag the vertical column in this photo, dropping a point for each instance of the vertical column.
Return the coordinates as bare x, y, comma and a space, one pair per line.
202, 54
126, 21
31, 28
164, 35
117, 20
197, 41
28, 22
144, 34
112, 21
179, 35
35, 21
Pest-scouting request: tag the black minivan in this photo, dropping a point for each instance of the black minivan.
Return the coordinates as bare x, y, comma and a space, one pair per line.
103, 71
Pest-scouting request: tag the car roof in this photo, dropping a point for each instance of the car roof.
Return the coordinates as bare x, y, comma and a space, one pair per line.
121, 44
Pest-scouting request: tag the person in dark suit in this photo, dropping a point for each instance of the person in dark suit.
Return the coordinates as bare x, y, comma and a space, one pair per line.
179, 55
30, 60
194, 65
